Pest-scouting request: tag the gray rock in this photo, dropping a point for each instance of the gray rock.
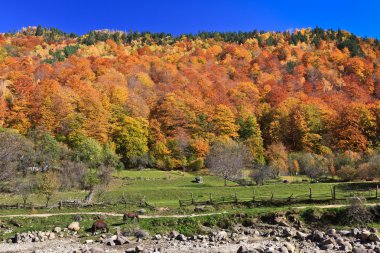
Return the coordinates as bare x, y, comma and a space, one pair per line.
139, 248
373, 238
242, 249
327, 246
57, 230
157, 237
130, 250
291, 248
318, 235
96, 250
141, 234
331, 231
359, 249
221, 236
181, 238
173, 234
301, 236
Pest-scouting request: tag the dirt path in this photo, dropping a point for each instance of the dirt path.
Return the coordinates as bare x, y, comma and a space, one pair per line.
42, 215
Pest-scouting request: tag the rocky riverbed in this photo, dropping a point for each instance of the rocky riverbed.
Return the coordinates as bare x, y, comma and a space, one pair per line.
280, 236
258, 238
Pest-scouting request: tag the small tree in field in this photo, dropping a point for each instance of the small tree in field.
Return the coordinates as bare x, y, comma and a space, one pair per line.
227, 159
47, 185
25, 187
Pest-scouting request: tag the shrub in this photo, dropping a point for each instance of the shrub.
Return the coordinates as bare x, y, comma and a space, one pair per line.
347, 173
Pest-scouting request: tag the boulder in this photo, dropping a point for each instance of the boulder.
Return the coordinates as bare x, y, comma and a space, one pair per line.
331, 231
301, 236
57, 230
221, 236
141, 234
359, 249
121, 240
139, 248
318, 235
74, 226
173, 234
242, 249
291, 248
96, 250
181, 237
373, 238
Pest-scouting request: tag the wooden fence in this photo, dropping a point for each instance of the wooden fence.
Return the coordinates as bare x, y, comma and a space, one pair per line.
81, 204
335, 194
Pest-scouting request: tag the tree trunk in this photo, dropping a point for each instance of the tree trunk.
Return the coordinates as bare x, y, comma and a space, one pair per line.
89, 196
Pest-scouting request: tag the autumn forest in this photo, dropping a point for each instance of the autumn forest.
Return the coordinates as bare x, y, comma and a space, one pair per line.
294, 100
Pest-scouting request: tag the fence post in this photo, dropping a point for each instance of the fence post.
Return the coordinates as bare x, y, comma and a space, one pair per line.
180, 203
334, 192
310, 196
236, 199
377, 190
271, 198
211, 198
192, 199
60, 204
254, 193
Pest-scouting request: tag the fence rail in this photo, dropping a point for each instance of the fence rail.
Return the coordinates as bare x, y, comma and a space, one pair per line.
334, 195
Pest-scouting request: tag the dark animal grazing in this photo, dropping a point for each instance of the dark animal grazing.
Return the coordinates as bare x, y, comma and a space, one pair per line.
99, 225
132, 216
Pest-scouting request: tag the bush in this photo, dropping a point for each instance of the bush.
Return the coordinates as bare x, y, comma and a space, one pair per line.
196, 165
357, 212
347, 173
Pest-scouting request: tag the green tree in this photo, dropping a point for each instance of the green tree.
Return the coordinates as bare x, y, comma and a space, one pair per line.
131, 138
250, 134
39, 31
47, 185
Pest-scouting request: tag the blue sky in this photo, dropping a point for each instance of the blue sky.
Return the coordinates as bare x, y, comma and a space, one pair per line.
360, 17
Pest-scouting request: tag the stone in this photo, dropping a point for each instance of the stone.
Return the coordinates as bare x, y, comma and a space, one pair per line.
355, 232
141, 234
141, 211
346, 246
57, 230
359, 249
318, 235
157, 237
173, 234
51, 236
181, 238
291, 248
139, 248
331, 231
364, 235
301, 236
327, 246
284, 250
74, 226
221, 236
89, 241
130, 250
344, 232
242, 249
109, 242
373, 238
96, 250
121, 240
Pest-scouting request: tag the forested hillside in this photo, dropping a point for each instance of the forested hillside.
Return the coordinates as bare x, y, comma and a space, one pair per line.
162, 101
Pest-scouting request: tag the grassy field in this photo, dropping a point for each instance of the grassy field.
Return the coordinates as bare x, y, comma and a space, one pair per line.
166, 188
